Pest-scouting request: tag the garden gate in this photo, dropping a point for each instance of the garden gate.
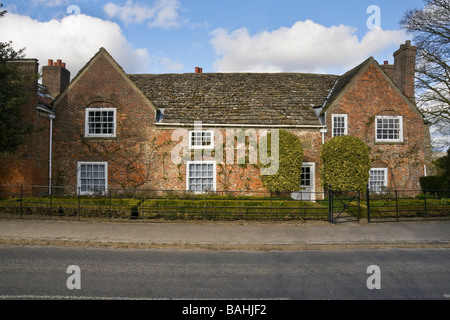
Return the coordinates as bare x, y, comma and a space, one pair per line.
344, 206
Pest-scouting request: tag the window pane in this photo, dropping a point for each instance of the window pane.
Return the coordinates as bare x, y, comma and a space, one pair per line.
201, 138
339, 125
377, 180
92, 178
201, 177
101, 122
388, 128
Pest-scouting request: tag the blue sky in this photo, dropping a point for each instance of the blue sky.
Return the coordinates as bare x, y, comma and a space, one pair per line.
175, 36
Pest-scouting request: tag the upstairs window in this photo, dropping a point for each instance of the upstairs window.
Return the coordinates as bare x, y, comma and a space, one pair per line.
201, 139
100, 122
389, 129
339, 125
159, 115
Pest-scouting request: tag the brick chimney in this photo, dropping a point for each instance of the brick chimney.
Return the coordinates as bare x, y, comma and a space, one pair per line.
55, 77
389, 69
405, 69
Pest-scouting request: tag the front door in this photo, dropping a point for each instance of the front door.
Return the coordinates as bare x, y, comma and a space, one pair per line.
308, 183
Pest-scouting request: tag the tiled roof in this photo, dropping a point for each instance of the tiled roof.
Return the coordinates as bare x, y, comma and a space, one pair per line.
237, 98
44, 99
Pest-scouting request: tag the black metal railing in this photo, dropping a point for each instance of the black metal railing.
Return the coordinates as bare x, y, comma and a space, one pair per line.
146, 204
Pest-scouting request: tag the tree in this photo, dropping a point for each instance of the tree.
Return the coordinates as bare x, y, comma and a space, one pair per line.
430, 27
12, 97
345, 164
288, 176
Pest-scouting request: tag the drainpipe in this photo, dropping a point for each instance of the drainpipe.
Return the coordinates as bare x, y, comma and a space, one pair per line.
323, 131
51, 117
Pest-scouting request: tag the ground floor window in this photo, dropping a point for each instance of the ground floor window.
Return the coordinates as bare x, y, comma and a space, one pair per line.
201, 176
92, 177
378, 179
307, 183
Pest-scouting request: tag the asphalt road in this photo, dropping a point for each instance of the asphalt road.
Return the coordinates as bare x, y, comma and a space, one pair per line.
42, 273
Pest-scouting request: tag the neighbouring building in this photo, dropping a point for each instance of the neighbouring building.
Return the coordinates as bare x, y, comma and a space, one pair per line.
30, 164
168, 131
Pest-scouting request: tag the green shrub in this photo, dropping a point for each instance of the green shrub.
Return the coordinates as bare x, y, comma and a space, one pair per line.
345, 164
438, 185
290, 163
435, 186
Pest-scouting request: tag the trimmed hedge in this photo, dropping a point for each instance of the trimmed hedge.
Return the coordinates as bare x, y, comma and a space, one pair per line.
438, 185
194, 208
345, 164
288, 176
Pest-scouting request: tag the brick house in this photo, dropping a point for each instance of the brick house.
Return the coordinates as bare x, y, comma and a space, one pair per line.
30, 164
178, 131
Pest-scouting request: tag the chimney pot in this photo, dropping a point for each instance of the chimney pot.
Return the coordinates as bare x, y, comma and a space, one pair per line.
55, 79
197, 70
386, 62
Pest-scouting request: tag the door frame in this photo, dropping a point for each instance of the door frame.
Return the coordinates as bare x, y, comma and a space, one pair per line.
312, 165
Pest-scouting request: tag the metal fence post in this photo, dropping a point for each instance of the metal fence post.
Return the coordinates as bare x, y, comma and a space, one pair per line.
79, 203
396, 203
21, 201
330, 204
110, 203
368, 203
51, 204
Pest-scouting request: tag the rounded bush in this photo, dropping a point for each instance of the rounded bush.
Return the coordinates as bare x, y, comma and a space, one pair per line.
288, 176
345, 164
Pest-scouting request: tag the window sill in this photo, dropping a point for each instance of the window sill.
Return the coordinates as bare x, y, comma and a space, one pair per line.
100, 138
390, 143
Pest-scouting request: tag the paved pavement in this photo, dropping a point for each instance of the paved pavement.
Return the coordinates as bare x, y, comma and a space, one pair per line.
226, 235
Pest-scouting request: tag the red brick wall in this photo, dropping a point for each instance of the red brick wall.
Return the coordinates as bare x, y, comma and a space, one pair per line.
29, 164
371, 95
129, 153
229, 176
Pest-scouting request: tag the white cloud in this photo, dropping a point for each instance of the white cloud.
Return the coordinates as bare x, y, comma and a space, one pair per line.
163, 13
304, 47
74, 39
169, 64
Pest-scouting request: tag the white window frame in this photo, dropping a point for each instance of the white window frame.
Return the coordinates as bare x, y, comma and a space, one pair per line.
385, 182
400, 133
189, 163
333, 116
79, 164
99, 135
194, 146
